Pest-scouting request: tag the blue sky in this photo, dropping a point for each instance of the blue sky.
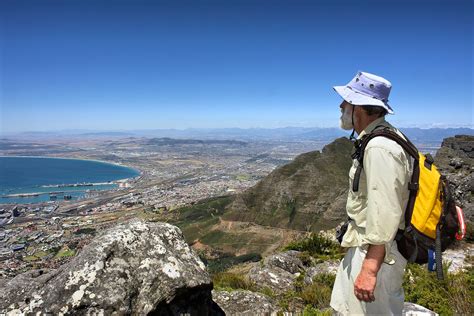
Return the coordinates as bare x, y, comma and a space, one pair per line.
121, 65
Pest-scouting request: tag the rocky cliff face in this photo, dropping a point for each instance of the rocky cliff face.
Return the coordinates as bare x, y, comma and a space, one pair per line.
455, 159
307, 194
134, 268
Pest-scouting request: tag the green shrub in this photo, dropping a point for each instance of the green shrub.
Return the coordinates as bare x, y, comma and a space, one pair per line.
317, 245
65, 252
267, 291
451, 296
226, 261
232, 281
318, 294
311, 311
305, 258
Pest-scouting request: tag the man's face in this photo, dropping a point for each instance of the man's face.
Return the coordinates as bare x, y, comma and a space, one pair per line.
345, 121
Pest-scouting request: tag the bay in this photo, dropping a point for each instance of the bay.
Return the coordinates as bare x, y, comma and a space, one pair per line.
43, 175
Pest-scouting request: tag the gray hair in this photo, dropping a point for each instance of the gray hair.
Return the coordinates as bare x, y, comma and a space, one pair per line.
374, 110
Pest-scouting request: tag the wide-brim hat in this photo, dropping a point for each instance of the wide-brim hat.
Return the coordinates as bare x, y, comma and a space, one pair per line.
367, 89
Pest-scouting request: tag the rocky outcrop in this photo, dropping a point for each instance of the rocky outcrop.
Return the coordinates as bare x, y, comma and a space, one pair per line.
287, 261
245, 303
455, 159
307, 194
458, 259
281, 271
327, 267
134, 268
462, 145
276, 279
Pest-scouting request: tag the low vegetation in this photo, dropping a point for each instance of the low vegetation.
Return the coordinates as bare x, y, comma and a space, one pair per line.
202, 210
231, 281
452, 296
317, 246
227, 261
36, 256
318, 294
65, 252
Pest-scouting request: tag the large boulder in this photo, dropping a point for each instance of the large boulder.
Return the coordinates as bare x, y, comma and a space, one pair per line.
278, 272
134, 268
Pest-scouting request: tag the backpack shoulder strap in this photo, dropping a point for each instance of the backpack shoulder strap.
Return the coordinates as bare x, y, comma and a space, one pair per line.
362, 143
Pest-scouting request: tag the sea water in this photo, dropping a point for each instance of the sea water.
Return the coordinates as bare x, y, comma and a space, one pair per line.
56, 176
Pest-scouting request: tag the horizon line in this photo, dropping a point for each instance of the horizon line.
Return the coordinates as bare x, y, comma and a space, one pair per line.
78, 130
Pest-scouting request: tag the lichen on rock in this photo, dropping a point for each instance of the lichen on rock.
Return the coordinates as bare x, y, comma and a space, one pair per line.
133, 268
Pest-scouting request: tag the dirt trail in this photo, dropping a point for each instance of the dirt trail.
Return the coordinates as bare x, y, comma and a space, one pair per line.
275, 237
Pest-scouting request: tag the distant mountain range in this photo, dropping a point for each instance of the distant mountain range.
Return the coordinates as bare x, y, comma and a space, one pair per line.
417, 135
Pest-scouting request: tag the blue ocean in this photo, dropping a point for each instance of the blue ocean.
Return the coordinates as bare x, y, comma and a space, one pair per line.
40, 179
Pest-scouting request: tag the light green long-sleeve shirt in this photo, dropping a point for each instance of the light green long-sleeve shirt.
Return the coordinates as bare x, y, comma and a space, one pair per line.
377, 209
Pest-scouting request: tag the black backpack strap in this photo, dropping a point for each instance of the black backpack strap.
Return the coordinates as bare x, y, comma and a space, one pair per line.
438, 258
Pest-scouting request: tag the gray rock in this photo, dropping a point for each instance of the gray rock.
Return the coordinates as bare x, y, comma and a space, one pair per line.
456, 163
134, 268
455, 159
457, 259
276, 279
245, 303
324, 267
288, 261
411, 309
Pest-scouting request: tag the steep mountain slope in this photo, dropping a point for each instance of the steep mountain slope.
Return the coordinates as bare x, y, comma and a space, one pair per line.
306, 194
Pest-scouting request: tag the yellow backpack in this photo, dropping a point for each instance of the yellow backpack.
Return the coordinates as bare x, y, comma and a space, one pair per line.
431, 218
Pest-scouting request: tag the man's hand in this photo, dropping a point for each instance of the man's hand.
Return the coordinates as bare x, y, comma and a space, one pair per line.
364, 285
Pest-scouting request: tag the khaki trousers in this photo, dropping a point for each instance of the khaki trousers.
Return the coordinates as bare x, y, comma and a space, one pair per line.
389, 295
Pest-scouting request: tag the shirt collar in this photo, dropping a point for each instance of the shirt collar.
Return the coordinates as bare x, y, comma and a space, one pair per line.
370, 128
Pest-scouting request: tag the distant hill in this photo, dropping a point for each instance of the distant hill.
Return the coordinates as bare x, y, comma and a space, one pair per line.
307, 194
418, 135
173, 142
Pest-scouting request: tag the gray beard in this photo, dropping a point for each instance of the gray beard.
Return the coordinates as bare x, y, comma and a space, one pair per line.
345, 122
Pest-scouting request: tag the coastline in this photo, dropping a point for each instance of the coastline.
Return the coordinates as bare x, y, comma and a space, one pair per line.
78, 187
140, 172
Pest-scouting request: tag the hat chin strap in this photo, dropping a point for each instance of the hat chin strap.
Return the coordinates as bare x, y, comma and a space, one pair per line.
353, 126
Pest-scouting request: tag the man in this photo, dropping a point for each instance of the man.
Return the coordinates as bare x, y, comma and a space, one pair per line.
369, 279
